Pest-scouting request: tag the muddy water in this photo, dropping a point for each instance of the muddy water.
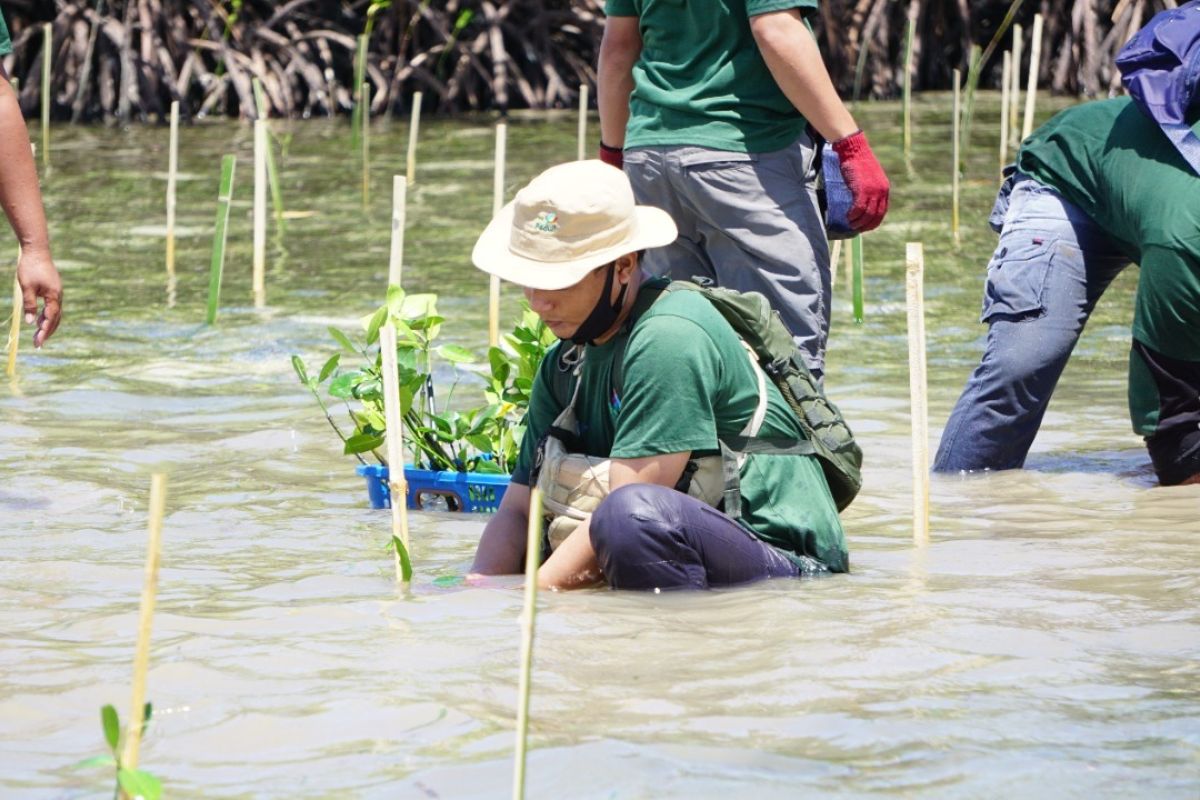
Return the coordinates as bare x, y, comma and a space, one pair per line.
1046, 645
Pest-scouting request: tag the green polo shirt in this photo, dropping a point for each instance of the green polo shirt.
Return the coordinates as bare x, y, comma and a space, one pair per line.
5, 41
687, 380
700, 79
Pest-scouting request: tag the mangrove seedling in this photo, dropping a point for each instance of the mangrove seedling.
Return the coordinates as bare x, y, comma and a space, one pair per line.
136, 784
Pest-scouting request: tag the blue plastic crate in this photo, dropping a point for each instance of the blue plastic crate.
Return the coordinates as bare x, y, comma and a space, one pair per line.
463, 491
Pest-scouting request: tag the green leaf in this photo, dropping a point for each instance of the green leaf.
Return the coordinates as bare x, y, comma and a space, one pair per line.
377, 320
112, 727
96, 761
486, 466
342, 339
147, 712
138, 784
395, 301
362, 442
405, 562
447, 581
480, 442
329, 367
301, 370
455, 354
343, 385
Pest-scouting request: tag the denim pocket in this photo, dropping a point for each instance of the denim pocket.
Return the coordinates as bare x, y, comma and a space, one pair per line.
1016, 279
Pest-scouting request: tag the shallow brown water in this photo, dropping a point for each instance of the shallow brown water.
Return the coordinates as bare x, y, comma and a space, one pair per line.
1045, 645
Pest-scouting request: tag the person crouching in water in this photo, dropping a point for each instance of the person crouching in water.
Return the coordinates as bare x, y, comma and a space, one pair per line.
626, 406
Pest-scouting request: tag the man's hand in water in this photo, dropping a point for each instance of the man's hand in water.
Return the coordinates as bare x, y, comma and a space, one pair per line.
40, 280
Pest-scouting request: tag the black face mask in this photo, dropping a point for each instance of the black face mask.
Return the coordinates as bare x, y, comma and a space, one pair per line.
604, 314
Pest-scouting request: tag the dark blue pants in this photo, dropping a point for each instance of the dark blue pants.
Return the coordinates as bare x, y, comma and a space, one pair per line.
652, 537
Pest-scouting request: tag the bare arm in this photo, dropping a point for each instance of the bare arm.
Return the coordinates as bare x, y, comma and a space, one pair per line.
501, 549
619, 51
795, 62
21, 199
573, 564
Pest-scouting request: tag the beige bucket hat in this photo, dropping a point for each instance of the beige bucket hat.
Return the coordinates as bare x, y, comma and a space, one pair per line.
569, 220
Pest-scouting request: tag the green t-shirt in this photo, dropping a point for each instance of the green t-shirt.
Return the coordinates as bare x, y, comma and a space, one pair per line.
686, 380
5, 41
1119, 168
701, 80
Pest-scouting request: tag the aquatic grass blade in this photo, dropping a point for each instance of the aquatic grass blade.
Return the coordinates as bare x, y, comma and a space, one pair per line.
112, 726
220, 235
405, 571
856, 256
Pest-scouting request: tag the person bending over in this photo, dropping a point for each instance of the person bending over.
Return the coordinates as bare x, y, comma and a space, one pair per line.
1099, 186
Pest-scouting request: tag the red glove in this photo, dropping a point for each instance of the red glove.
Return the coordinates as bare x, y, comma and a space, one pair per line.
865, 178
613, 156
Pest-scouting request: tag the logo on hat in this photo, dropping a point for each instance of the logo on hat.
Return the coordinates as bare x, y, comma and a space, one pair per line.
546, 222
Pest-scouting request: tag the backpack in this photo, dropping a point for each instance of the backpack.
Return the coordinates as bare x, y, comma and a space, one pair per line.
754, 321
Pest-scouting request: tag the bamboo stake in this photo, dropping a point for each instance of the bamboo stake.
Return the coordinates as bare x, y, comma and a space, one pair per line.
1014, 109
397, 484
856, 256
954, 149
413, 127
260, 105
260, 212
497, 204
909, 34
834, 256
224, 196
399, 203
1035, 54
172, 178
141, 658
14, 328
583, 111
533, 551
1004, 81
47, 49
365, 93
914, 258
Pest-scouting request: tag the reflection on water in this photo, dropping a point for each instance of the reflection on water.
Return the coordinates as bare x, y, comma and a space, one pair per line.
1046, 644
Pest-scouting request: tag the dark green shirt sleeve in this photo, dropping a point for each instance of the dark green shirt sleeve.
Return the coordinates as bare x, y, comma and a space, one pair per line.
5, 41
756, 7
620, 8
543, 410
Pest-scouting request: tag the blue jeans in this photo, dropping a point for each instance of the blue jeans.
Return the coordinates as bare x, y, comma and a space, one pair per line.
1050, 267
653, 537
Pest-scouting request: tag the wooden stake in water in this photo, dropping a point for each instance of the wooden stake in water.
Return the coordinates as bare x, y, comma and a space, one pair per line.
497, 204
14, 328
914, 259
399, 203
141, 657
856, 256
260, 212
365, 93
1005, 78
397, 484
533, 551
172, 177
47, 58
954, 149
583, 112
1035, 55
909, 35
1015, 100
260, 106
414, 126
835, 255
220, 232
